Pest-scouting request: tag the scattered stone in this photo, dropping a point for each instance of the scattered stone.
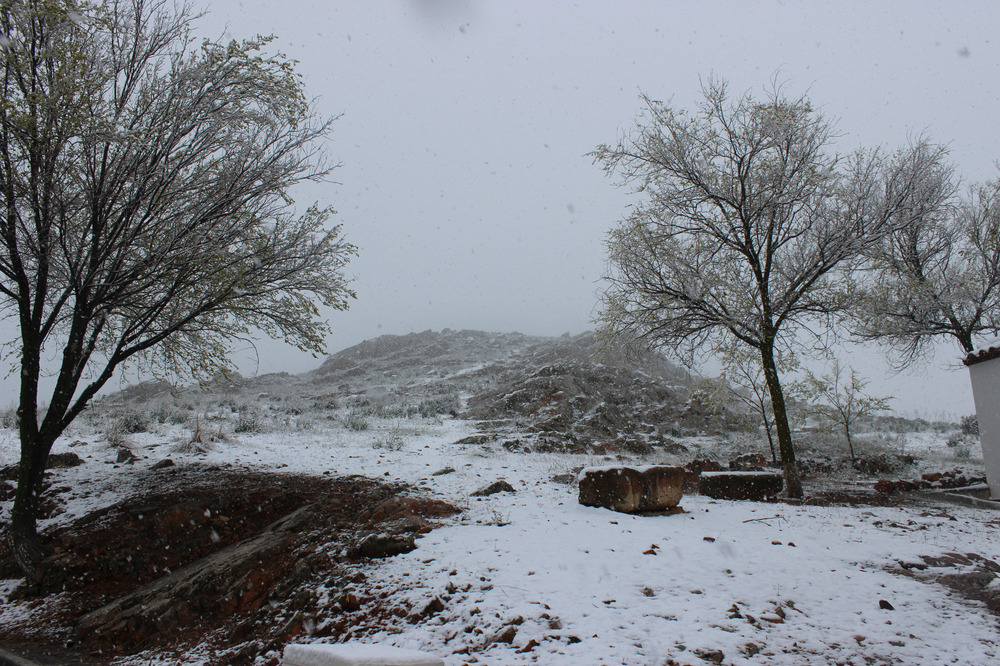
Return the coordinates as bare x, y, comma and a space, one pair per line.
885, 605
755, 486
350, 602
433, 607
443, 471
567, 479
63, 460
494, 488
630, 489
125, 456
163, 464
713, 656
529, 646
506, 636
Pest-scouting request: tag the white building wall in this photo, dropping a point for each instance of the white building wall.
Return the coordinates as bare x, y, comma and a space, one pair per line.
986, 391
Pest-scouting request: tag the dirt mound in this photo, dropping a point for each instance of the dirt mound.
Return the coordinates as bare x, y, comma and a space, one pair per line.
229, 561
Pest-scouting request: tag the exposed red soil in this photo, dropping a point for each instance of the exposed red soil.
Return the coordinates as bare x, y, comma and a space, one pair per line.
191, 513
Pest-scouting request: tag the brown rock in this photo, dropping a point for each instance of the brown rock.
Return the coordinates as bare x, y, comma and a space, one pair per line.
631, 490
494, 488
433, 607
63, 460
529, 646
712, 656
506, 636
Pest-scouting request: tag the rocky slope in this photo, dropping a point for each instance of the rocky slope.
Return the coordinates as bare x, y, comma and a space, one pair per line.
567, 393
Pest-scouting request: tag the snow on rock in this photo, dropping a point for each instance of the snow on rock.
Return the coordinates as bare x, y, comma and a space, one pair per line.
353, 654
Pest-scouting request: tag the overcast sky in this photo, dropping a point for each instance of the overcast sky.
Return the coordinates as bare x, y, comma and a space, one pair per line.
465, 125
465, 128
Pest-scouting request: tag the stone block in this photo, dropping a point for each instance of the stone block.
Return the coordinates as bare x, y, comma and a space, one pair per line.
631, 489
755, 486
355, 654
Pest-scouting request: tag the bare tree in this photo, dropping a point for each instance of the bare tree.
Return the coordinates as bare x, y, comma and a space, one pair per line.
845, 396
747, 216
937, 278
146, 208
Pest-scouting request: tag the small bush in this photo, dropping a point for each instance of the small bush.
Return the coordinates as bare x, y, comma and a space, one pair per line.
355, 421
248, 421
955, 440
116, 434
963, 452
391, 442
131, 421
443, 405
8, 418
164, 413
970, 425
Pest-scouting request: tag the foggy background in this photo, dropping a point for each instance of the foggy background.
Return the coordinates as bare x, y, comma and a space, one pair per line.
464, 129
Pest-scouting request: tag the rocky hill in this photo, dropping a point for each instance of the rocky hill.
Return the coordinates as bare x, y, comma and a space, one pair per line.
567, 393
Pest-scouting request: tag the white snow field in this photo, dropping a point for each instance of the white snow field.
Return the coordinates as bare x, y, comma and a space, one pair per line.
724, 582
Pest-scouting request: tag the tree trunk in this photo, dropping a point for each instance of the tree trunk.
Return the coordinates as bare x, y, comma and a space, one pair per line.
770, 442
850, 444
793, 485
25, 543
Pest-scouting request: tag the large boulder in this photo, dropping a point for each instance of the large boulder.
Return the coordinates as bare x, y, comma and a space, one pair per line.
755, 486
632, 489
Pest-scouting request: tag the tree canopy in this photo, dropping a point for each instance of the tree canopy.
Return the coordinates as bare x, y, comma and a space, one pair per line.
746, 216
146, 183
938, 278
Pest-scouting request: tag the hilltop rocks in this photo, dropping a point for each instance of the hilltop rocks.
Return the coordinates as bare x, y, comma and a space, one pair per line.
630, 489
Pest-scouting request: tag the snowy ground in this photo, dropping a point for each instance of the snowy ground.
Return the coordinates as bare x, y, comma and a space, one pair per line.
764, 583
